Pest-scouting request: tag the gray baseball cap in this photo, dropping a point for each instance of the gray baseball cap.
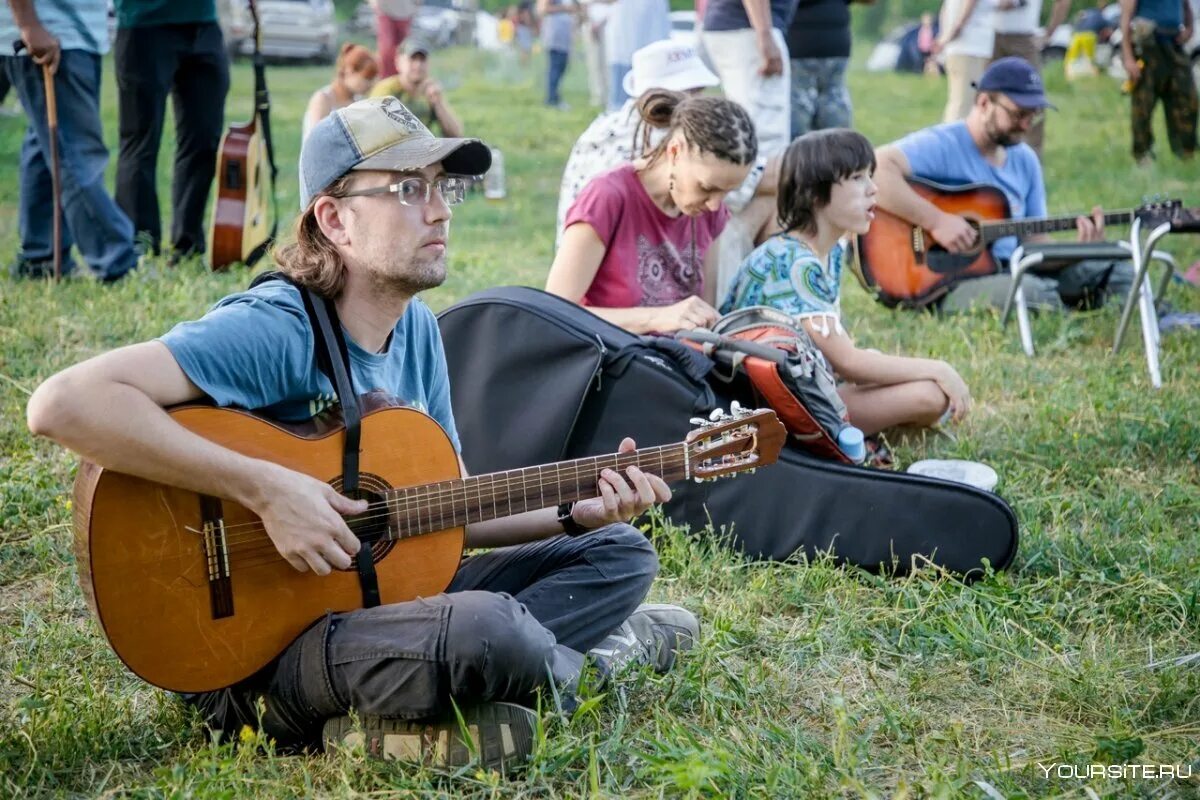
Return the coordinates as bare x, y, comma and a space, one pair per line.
380, 133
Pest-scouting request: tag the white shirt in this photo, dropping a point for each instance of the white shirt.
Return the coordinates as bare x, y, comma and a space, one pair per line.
396, 9
978, 33
1020, 20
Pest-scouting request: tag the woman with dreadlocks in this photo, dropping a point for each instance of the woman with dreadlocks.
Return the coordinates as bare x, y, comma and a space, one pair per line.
636, 245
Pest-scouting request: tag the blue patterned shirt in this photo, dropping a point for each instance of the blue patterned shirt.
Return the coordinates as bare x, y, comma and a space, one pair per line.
784, 273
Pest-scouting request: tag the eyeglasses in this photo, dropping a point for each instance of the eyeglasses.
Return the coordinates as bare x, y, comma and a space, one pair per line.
417, 191
1030, 115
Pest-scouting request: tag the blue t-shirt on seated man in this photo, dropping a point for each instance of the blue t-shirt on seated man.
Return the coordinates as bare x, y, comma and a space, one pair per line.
256, 350
948, 155
987, 148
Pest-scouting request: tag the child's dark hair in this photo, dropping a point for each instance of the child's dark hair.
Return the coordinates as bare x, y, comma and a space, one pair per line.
711, 124
812, 164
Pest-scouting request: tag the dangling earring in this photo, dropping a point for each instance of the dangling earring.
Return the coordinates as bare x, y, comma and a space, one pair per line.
671, 182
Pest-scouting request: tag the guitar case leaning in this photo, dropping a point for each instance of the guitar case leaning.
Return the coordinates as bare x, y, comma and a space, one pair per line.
536, 379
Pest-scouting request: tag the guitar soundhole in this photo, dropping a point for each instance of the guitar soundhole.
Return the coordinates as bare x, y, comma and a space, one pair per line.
377, 525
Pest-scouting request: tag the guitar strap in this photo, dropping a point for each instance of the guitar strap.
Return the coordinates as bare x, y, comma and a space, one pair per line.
327, 331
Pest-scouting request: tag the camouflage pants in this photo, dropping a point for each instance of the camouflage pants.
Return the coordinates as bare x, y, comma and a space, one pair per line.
820, 98
1166, 74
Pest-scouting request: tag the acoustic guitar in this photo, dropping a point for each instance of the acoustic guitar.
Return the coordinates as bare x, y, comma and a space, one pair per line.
902, 264
193, 596
245, 217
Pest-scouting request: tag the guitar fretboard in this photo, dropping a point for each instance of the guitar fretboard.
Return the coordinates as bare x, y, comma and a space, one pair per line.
454, 503
1023, 227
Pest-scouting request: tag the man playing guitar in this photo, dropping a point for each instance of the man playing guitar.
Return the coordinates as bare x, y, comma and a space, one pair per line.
377, 188
988, 148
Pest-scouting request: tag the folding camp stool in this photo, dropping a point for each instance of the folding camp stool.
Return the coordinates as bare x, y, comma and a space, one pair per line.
1045, 257
1142, 295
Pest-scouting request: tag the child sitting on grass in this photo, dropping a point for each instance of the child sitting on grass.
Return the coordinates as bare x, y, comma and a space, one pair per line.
825, 194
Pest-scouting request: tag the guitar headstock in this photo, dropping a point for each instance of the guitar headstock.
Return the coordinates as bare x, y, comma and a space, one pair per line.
724, 444
1154, 213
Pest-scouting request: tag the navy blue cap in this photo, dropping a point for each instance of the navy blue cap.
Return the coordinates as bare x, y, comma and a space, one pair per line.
1018, 79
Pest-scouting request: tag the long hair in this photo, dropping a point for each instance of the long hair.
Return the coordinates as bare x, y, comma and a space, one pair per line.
812, 164
310, 259
710, 124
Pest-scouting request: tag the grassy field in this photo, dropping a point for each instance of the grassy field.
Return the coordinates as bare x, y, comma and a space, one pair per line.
811, 680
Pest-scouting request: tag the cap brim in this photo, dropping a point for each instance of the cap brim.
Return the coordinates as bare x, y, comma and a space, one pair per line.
1030, 100
458, 156
700, 77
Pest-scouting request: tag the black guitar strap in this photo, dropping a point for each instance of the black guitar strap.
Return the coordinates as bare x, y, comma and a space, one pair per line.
329, 331
262, 105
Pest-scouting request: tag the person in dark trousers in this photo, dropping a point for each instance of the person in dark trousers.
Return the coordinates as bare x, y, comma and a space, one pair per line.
71, 41
1153, 33
558, 32
818, 43
169, 47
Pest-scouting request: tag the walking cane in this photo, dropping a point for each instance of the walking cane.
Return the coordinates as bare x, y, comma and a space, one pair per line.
55, 183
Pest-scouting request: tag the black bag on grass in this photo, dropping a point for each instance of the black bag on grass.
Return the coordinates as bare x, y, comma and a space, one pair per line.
536, 379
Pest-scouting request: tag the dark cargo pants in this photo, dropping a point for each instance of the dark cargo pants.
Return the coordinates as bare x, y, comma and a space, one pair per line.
1166, 75
511, 620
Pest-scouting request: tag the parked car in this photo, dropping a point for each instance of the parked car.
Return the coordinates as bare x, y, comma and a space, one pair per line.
291, 29
683, 27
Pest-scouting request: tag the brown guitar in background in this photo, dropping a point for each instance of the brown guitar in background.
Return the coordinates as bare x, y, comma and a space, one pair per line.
245, 216
904, 266
193, 596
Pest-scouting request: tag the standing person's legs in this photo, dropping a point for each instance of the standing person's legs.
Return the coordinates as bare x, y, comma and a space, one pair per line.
593, 59
100, 230
1023, 45
34, 225
1142, 99
386, 40
834, 109
556, 67
961, 72
145, 61
805, 92
201, 83
767, 99
1180, 103
616, 85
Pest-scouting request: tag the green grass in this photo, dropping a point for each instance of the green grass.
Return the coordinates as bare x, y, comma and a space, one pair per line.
811, 680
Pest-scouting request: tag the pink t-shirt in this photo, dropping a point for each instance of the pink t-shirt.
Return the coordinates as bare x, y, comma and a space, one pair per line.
650, 259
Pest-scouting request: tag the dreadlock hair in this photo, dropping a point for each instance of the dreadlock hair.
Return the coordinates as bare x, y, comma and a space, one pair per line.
710, 124
310, 259
812, 164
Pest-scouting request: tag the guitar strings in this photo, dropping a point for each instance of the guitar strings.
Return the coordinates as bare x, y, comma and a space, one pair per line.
250, 532
485, 485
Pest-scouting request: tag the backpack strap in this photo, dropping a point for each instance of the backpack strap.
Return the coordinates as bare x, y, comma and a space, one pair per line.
329, 338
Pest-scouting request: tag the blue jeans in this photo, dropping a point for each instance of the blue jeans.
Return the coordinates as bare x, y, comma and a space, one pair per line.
820, 98
91, 219
616, 85
554, 74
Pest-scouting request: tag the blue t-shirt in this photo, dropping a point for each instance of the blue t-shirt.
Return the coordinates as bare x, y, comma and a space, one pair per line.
730, 15
77, 24
947, 154
784, 273
255, 350
1167, 14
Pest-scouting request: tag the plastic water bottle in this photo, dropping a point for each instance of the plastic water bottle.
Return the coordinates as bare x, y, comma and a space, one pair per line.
493, 181
850, 440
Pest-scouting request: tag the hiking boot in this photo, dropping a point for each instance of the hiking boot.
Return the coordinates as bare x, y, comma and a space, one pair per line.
652, 635
501, 737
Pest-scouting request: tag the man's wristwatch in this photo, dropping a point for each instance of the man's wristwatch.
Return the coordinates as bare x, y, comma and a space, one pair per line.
569, 525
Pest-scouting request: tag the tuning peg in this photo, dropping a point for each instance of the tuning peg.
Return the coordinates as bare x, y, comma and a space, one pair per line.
717, 414
700, 421
736, 409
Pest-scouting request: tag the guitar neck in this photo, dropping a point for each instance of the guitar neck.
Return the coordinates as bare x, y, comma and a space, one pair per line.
450, 504
1026, 227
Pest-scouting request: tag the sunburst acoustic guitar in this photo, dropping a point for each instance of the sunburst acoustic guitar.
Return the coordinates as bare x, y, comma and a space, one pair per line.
193, 596
902, 264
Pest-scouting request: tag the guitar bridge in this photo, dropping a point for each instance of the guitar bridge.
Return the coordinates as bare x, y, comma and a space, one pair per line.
918, 244
216, 558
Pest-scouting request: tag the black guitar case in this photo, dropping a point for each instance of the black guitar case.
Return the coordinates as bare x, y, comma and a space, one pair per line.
536, 379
